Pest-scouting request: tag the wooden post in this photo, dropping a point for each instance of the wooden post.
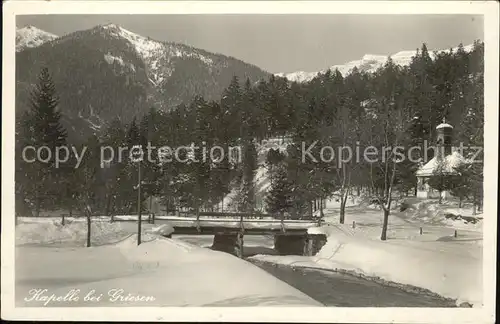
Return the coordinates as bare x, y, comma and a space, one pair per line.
353, 224
308, 246
282, 222
198, 219
239, 244
421, 231
139, 209
456, 234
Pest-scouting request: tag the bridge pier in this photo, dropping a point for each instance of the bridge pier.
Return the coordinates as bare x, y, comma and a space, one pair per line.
308, 244
290, 244
317, 242
230, 243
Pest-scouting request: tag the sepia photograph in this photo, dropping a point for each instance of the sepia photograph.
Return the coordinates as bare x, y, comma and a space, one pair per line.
250, 164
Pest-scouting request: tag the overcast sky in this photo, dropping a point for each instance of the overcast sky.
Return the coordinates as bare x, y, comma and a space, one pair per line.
285, 43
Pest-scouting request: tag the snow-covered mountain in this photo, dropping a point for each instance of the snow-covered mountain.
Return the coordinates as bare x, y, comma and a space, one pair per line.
158, 56
31, 36
368, 63
109, 72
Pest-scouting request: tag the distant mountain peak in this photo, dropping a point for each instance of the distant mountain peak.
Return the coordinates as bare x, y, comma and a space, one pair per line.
143, 45
110, 25
368, 63
31, 36
156, 55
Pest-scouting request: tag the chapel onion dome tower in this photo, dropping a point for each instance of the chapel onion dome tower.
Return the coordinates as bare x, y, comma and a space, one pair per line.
444, 136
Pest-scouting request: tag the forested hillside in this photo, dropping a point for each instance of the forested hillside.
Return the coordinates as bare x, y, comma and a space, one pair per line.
395, 106
109, 72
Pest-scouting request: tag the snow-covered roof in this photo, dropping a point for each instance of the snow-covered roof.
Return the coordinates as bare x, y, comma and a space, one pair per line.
443, 125
451, 162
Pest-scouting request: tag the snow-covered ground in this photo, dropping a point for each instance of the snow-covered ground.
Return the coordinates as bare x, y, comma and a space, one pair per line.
159, 272
434, 260
49, 231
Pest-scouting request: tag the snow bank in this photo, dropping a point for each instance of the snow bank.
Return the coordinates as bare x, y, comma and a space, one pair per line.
33, 230
429, 211
159, 272
449, 274
165, 229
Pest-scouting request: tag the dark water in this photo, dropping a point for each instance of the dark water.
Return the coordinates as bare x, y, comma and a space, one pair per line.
341, 290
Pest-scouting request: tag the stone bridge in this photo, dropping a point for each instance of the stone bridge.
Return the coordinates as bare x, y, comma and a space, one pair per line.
291, 237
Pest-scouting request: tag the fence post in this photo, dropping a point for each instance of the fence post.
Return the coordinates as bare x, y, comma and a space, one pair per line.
198, 228
456, 234
353, 224
421, 231
282, 222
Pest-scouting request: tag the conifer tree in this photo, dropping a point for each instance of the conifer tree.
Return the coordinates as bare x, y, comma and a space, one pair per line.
247, 191
41, 127
279, 197
131, 175
149, 130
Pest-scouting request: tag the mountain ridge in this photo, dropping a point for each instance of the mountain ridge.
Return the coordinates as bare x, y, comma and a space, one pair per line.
368, 63
108, 72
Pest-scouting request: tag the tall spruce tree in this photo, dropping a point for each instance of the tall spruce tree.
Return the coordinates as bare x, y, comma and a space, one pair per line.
41, 127
279, 198
247, 190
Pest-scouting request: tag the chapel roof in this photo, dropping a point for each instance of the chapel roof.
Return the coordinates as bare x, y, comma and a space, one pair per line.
450, 162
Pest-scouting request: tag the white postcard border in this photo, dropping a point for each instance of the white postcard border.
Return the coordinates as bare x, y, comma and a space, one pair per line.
256, 314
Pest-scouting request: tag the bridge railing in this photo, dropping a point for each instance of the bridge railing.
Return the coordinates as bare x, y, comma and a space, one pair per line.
241, 214
216, 217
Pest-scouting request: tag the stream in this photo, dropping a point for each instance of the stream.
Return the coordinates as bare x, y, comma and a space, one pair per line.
343, 290
332, 288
